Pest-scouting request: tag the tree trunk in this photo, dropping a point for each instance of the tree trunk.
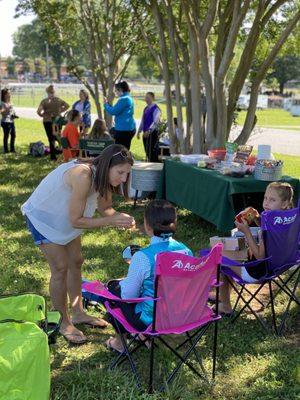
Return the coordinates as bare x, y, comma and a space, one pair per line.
198, 138
250, 117
165, 70
175, 57
198, 141
210, 95
281, 87
58, 72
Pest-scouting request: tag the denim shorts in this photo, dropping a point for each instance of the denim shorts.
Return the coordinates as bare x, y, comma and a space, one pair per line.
37, 236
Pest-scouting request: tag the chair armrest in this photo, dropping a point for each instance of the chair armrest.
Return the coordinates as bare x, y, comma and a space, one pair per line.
228, 262
98, 288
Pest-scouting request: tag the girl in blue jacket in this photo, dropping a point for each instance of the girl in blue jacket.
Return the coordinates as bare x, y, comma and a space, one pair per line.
160, 224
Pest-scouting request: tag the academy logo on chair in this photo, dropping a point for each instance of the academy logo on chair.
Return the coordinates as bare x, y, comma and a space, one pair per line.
284, 220
188, 266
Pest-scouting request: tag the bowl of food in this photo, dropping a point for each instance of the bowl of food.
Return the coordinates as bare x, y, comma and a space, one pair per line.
218, 154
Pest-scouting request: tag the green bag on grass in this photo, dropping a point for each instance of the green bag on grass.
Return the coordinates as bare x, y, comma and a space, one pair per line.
24, 350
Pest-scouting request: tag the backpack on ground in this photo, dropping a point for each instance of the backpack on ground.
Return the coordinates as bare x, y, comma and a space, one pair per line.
37, 149
26, 329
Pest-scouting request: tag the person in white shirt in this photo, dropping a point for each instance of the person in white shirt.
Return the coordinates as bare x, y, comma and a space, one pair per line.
58, 211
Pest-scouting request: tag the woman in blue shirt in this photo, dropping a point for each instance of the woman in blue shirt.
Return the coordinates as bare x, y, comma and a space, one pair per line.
123, 112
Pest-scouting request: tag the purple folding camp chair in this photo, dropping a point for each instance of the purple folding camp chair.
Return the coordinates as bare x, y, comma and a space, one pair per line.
281, 235
182, 284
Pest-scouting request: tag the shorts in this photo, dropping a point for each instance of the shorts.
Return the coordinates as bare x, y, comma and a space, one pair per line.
246, 277
37, 236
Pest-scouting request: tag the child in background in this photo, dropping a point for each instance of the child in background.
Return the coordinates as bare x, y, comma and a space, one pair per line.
160, 224
278, 196
71, 133
99, 130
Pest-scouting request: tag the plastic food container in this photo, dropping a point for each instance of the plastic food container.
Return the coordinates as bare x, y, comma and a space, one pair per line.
193, 158
268, 170
234, 170
218, 154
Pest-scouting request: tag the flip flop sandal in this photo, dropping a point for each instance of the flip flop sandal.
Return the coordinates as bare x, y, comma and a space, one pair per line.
69, 336
111, 348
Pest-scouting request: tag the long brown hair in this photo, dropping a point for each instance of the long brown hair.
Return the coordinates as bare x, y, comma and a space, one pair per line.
113, 155
99, 129
4, 92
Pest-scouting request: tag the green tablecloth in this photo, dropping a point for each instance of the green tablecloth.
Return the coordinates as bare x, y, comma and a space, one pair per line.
207, 193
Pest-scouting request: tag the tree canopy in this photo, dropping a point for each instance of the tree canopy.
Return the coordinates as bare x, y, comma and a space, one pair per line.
211, 48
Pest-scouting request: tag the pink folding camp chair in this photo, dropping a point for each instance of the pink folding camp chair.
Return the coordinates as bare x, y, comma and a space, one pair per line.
182, 285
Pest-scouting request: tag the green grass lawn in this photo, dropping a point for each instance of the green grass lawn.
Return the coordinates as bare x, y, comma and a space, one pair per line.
266, 118
273, 118
252, 365
33, 101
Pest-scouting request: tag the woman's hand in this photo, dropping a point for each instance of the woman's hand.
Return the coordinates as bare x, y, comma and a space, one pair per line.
121, 220
105, 100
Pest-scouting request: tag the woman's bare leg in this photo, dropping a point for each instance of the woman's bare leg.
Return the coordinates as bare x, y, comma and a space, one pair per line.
74, 281
57, 258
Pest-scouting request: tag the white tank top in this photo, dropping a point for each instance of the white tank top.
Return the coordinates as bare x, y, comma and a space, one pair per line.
48, 207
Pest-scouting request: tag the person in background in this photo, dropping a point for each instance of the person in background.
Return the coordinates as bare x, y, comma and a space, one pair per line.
83, 105
99, 130
151, 117
8, 116
71, 133
49, 109
123, 112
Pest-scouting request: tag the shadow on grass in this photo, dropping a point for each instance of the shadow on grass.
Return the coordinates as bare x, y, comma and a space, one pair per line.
271, 379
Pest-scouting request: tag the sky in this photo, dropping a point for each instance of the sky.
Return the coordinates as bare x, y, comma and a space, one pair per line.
9, 24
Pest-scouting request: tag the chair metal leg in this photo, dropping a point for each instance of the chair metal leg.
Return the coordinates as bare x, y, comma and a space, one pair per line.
216, 326
196, 354
247, 305
128, 355
238, 299
135, 198
122, 356
283, 287
285, 315
255, 298
150, 388
183, 359
273, 308
215, 349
